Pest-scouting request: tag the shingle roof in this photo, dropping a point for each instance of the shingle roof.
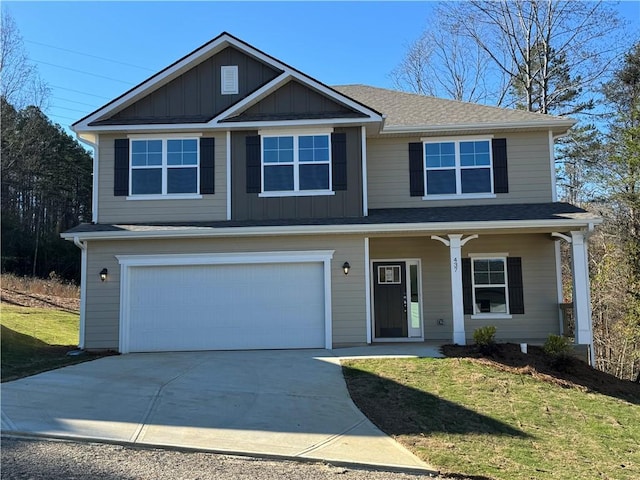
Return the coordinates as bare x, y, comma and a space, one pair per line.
410, 110
479, 213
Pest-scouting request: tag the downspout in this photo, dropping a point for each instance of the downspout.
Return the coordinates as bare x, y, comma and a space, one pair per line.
83, 288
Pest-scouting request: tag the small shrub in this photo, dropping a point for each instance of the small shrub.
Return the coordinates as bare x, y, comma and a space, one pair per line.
485, 339
559, 349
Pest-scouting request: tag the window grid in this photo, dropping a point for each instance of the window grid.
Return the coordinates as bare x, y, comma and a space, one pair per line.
161, 151
461, 158
489, 273
297, 151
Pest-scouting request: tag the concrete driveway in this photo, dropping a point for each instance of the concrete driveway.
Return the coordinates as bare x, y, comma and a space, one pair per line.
289, 403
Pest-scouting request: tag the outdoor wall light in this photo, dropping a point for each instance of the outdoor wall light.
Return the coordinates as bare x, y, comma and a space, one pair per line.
346, 267
103, 274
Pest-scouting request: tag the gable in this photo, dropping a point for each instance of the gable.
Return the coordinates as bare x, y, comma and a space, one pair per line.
294, 101
195, 96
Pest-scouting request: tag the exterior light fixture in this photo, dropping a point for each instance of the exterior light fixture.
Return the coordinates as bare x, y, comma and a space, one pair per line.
346, 267
103, 274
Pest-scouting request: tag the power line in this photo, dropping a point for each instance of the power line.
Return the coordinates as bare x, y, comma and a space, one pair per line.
89, 55
60, 116
81, 71
75, 101
71, 109
78, 91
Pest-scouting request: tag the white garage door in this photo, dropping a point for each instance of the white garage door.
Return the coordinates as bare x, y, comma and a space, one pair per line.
226, 307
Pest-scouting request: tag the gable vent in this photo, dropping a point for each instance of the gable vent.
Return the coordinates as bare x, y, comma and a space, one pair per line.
229, 79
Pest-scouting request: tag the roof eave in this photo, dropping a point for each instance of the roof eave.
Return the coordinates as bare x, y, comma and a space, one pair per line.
555, 125
431, 227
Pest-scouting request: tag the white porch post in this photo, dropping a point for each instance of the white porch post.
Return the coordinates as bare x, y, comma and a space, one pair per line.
455, 244
581, 293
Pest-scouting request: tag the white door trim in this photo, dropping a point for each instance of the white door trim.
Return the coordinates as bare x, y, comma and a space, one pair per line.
372, 275
131, 261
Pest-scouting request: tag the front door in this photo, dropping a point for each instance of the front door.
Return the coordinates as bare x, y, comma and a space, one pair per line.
397, 300
390, 299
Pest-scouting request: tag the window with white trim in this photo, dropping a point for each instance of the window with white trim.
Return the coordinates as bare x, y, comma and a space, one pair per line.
166, 166
458, 167
490, 285
296, 163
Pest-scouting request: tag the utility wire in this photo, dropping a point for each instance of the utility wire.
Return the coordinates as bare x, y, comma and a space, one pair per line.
89, 55
75, 101
83, 93
71, 109
81, 71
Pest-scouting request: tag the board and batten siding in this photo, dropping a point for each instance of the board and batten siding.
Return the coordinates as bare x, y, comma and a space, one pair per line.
527, 164
119, 210
538, 276
249, 206
292, 101
347, 291
196, 94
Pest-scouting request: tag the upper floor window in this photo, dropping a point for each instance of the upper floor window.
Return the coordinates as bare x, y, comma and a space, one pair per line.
164, 166
296, 163
458, 167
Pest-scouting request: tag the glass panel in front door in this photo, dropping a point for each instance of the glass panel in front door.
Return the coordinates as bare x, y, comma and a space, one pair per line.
415, 320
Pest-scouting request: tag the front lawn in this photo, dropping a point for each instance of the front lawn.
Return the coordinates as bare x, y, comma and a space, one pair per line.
37, 339
467, 417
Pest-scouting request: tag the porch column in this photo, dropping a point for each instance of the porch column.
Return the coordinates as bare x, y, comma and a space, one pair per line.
455, 244
581, 290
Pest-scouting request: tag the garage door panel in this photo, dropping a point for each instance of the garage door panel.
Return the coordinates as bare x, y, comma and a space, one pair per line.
211, 307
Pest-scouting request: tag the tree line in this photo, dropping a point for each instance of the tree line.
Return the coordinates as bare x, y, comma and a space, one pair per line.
46, 175
563, 58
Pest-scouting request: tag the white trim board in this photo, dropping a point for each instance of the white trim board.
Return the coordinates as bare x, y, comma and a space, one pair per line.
433, 227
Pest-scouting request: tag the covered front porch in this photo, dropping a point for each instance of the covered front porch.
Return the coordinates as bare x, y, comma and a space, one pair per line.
442, 286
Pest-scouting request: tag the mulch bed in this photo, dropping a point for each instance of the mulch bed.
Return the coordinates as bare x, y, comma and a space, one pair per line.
573, 373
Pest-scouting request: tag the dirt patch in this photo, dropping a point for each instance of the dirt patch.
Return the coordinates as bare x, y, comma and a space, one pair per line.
38, 300
574, 373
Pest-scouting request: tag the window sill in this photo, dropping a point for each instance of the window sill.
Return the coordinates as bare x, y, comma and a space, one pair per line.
491, 316
465, 196
301, 193
178, 196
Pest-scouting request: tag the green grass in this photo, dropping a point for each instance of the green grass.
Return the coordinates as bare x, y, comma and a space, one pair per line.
467, 418
36, 339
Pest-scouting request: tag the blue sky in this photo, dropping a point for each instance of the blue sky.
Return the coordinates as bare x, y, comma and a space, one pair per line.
335, 42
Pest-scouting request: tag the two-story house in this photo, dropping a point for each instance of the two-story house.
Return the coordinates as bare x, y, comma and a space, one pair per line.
241, 204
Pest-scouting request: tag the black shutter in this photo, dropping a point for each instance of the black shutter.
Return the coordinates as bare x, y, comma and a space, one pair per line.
254, 167
500, 174
339, 161
207, 165
516, 291
467, 288
121, 167
416, 169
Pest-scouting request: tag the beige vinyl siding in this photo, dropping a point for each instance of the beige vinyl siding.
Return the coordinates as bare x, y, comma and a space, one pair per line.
347, 291
539, 281
527, 162
119, 210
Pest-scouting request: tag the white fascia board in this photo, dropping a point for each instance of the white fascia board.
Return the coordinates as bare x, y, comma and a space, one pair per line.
154, 82
183, 65
284, 78
252, 99
554, 124
177, 232
294, 123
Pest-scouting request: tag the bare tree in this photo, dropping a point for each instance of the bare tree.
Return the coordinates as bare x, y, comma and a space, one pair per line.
545, 56
443, 63
553, 51
20, 83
